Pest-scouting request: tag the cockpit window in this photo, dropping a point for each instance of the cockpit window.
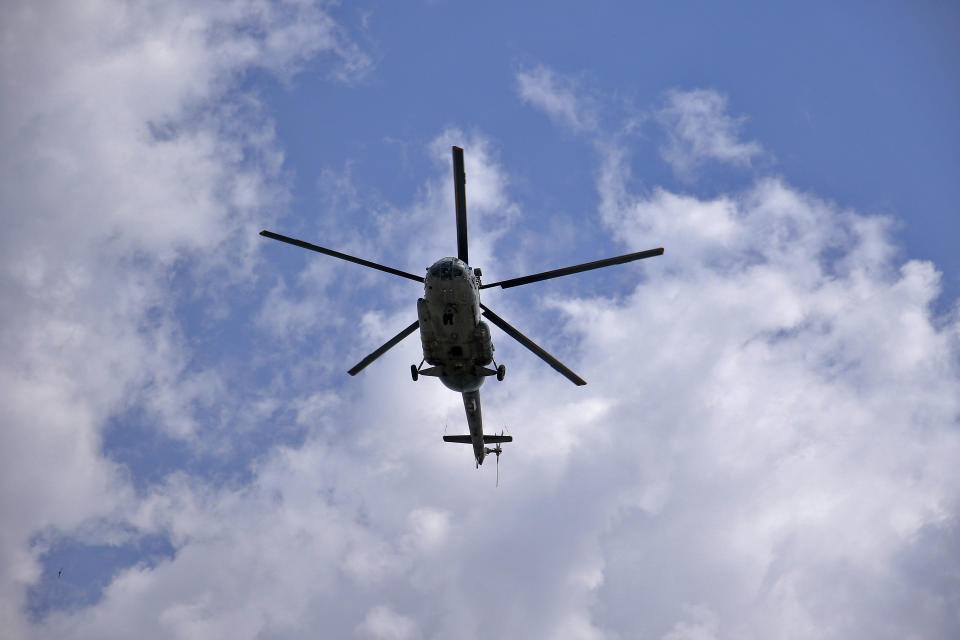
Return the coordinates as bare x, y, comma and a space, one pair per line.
446, 270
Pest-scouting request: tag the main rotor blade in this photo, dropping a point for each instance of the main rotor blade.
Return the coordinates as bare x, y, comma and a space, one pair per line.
460, 195
530, 344
337, 254
392, 342
566, 271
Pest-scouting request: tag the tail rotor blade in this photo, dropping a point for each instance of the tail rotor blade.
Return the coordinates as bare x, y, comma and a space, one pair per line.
392, 342
566, 271
460, 194
499, 451
532, 346
337, 254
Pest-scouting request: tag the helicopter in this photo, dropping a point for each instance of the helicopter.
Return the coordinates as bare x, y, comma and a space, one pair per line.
456, 342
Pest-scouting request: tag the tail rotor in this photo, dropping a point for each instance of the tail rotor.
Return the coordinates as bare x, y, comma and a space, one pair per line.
498, 451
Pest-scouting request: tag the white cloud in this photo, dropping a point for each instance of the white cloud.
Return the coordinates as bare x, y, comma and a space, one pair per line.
703, 626
808, 399
558, 96
699, 129
428, 527
383, 623
696, 122
127, 153
769, 431
767, 446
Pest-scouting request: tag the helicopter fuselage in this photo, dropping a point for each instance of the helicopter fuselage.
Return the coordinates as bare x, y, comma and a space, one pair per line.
454, 338
456, 342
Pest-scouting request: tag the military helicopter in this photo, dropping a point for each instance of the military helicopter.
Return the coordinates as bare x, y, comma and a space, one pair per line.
456, 343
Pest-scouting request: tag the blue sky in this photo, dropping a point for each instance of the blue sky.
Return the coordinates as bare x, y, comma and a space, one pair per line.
767, 443
852, 102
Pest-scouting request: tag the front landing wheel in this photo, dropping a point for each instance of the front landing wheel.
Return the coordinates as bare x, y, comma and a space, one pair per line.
414, 373
501, 371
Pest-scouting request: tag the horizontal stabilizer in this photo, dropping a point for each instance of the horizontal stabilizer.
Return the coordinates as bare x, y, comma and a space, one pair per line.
486, 439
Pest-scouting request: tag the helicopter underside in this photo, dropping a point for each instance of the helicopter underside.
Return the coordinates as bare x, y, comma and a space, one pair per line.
458, 351
456, 342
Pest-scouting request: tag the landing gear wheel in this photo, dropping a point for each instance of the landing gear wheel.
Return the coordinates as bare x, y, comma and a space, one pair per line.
414, 373
501, 371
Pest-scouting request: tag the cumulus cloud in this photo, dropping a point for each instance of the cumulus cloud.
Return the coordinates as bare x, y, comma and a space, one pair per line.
558, 96
809, 399
128, 155
766, 447
696, 123
382, 623
699, 129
